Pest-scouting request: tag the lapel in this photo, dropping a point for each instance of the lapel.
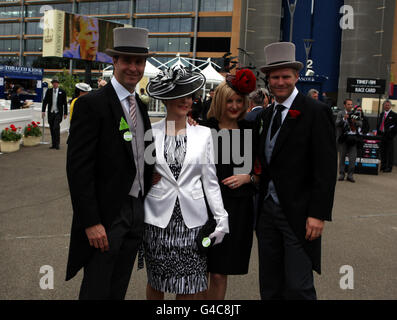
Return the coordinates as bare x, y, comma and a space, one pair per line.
118, 114
264, 125
159, 134
189, 147
288, 125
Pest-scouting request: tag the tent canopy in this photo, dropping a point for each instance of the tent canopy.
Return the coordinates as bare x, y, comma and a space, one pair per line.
211, 74
150, 70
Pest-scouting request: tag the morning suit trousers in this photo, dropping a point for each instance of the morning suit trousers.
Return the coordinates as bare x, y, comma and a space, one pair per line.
285, 270
386, 154
351, 152
54, 120
108, 273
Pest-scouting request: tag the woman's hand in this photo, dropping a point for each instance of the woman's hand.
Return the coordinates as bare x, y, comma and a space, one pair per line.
236, 181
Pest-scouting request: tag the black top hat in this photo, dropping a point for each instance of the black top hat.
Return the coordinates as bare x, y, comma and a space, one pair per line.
175, 82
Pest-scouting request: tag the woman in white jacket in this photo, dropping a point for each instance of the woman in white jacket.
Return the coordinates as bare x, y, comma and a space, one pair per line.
175, 208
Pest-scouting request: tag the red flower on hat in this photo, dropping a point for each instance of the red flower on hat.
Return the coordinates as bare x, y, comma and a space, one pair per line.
29, 128
6, 129
14, 129
38, 122
12, 126
244, 81
294, 113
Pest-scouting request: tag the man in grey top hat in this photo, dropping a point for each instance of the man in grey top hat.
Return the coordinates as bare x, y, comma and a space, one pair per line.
107, 174
297, 154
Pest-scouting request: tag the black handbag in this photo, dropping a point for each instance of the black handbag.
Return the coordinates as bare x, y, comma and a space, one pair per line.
202, 239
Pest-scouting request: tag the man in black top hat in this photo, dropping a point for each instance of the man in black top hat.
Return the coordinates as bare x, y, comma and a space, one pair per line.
107, 174
55, 99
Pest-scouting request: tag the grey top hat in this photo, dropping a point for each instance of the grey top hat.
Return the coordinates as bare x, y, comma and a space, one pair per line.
131, 42
280, 55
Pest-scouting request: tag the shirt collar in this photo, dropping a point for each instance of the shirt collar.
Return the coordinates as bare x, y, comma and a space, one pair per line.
121, 91
288, 103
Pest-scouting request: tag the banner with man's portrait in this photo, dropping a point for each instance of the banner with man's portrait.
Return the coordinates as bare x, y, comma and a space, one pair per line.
77, 36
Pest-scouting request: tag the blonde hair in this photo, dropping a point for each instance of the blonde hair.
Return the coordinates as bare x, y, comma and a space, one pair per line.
218, 105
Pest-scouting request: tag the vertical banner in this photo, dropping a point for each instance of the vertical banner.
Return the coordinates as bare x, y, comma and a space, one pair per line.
53, 33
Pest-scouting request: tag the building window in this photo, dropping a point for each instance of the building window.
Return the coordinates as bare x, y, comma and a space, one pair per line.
218, 5
9, 45
9, 60
10, 12
104, 7
170, 44
122, 21
33, 28
213, 44
34, 45
38, 10
145, 6
7, 29
166, 24
215, 24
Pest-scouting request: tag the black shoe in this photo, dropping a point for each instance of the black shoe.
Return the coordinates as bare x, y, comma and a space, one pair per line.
341, 178
57, 147
350, 179
387, 170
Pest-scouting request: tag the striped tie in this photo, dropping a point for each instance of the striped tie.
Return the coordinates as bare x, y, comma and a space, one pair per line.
131, 100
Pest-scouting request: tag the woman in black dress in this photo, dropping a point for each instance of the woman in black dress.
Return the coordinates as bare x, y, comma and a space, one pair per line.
226, 116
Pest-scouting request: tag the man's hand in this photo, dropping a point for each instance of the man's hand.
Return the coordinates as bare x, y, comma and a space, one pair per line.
43, 115
65, 116
97, 237
314, 228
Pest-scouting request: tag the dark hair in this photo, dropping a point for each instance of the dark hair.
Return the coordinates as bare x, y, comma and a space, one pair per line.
16, 88
348, 99
76, 93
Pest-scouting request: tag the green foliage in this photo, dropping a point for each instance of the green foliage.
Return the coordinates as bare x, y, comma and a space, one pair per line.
11, 134
32, 129
67, 82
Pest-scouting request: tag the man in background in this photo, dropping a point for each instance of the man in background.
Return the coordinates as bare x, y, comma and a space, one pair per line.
55, 99
313, 93
387, 129
258, 101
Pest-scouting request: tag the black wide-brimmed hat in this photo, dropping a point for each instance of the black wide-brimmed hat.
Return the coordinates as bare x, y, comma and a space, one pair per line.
131, 42
175, 82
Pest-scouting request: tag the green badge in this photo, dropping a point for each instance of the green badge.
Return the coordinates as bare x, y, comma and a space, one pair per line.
206, 242
123, 124
127, 136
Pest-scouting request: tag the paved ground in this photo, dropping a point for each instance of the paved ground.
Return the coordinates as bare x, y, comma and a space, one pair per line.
35, 218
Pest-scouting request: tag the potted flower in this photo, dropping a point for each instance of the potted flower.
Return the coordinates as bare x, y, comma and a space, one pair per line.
31, 134
10, 139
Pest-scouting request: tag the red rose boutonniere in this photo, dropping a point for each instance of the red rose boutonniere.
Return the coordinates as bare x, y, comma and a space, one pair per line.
294, 113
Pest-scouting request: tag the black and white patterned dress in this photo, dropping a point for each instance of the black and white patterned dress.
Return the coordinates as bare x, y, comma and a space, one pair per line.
173, 262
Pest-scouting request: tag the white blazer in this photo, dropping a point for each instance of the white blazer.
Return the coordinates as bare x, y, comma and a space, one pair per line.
198, 173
